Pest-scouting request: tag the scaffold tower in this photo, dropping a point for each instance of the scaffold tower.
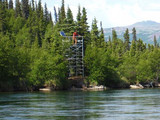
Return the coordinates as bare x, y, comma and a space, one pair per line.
75, 57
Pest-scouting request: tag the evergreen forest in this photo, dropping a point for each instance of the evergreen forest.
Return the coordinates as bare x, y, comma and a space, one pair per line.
32, 52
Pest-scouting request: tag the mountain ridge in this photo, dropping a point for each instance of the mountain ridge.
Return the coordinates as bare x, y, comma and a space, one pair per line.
145, 31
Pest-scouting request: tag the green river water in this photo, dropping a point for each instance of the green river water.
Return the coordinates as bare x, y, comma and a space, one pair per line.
125, 104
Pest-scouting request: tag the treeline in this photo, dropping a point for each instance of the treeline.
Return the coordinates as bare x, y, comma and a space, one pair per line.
31, 51
118, 63
33, 54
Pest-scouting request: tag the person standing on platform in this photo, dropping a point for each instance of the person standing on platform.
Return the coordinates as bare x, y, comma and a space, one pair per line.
75, 34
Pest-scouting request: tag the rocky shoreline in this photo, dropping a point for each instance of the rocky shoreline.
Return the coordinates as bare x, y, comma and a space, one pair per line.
90, 88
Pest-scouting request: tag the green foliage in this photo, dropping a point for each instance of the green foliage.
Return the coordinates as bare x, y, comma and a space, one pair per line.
33, 54
6, 63
133, 48
155, 64
79, 22
144, 70
3, 18
140, 46
70, 24
102, 67
128, 68
31, 51
48, 68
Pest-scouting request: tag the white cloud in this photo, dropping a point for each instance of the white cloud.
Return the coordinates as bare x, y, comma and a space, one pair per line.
120, 12
113, 12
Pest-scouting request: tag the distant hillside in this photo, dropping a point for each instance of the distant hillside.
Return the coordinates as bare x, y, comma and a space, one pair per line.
145, 30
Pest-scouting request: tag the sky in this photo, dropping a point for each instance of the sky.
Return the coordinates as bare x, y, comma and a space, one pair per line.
113, 13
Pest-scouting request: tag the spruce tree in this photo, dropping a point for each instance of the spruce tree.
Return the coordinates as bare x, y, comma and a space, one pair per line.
94, 32
85, 28
134, 34
33, 5
25, 8
101, 37
55, 15
133, 48
140, 46
79, 17
114, 40
79, 14
46, 14
50, 18
69, 16
10, 4
114, 35
39, 10
62, 16
109, 39
6, 3
70, 26
58, 15
1, 16
155, 41
18, 10
149, 47
126, 40
84, 17
3, 21
38, 23
109, 43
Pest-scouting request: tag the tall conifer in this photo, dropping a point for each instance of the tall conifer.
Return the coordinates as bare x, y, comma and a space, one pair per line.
25, 8
33, 5
133, 48
6, 3
70, 26
62, 13
155, 41
101, 37
46, 14
1, 16
3, 22
134, 34
79, 17
94, 32
39, 10
85, 28
10, 4
69, 16
126, 40
55, 15
18, 9
50, 18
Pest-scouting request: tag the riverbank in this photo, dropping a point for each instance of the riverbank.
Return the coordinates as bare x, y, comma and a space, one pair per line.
79, 84
91, 88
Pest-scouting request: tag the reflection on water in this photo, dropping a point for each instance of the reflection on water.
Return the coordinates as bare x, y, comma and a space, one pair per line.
64, 105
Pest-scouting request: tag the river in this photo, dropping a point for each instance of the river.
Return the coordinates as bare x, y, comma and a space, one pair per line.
127, 104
